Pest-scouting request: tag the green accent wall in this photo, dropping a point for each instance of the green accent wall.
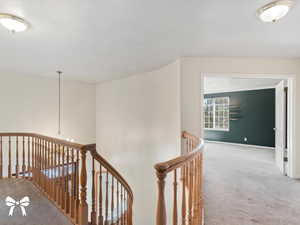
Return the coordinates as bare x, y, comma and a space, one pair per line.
256, 118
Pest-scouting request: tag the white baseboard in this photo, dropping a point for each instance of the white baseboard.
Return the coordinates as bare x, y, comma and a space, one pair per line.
243, 145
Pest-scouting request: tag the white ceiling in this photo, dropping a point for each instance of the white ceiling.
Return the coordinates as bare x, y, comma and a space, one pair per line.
220, 84
96, 40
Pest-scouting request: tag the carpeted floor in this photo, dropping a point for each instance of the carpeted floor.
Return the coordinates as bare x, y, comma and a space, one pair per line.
244, 187
40, 211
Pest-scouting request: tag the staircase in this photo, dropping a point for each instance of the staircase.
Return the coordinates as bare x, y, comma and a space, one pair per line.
88, 190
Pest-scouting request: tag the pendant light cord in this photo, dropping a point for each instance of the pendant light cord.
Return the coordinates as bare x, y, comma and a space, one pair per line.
59, 102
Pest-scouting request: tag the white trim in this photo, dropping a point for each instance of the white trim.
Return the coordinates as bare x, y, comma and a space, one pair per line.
239, 144
239, 89
217, 129
291, 84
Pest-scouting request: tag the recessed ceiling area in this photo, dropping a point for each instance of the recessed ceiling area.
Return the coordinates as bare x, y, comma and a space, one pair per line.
104, 40
223, 84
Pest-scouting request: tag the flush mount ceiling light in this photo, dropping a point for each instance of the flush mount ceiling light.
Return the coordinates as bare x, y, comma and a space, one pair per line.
274, 11
13, 23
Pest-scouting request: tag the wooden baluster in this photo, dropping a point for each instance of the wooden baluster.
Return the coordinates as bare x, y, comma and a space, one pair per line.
59, 194
38, 160
41, 154
77, 187
67, 182
72, 201
55, 173
106, 199
122, 208
118, 204
195, 191
46, 169
17, 156
33, 155
29, 172
130, 211
49, 180
127, 207
9, 157
23, 158
37, 149
43, 163
112, 200
175, 214
201, 186
93, 213
190, 189
199, 194
183, 207
51, 162
161, 218
83, 179
1, 159
53, 170
100, 219
63, 178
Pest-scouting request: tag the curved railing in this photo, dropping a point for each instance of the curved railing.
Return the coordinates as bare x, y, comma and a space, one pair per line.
59, 169
189, 168
112, 197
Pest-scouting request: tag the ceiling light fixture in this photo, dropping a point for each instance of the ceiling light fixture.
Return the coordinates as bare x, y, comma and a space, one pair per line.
274, 11
13, 23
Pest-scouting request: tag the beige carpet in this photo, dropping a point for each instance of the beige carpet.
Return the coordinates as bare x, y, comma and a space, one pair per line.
244, 187
40, 211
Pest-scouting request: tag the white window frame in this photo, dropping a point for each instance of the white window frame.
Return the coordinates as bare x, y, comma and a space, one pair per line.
214, 115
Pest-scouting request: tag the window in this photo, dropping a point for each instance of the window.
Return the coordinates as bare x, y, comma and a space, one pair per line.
216, 113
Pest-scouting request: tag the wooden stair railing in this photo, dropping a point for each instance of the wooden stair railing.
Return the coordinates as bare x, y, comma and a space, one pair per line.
112, 197
59, 169
189, 168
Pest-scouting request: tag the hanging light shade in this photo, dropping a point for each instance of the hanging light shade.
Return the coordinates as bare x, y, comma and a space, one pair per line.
274, 11
13, 23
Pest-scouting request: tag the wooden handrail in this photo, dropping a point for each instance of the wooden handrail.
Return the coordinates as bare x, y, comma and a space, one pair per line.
108, 166
120, 201
170, 165
51, 139
189, 166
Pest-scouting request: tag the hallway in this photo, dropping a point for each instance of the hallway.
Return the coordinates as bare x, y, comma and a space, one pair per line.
40, 211
244, 187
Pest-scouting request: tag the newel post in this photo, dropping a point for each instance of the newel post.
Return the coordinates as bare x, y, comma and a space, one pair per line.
83, 182
161, 218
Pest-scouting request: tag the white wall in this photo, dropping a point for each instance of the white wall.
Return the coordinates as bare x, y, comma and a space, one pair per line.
191, 86
29, 104
138, 125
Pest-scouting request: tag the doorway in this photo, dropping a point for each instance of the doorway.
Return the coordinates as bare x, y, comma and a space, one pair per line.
227, 114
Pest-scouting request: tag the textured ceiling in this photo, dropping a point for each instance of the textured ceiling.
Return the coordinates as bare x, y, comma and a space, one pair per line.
102, 40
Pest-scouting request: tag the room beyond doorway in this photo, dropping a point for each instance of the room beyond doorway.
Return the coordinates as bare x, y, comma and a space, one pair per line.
251, 110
